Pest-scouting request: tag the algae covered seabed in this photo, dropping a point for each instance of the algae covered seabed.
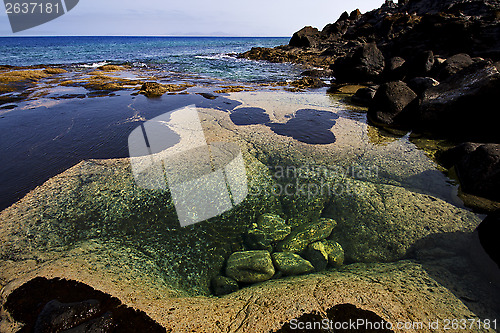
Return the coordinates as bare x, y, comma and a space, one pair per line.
411, 253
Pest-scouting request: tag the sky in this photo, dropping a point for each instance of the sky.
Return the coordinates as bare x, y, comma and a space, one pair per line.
273, 18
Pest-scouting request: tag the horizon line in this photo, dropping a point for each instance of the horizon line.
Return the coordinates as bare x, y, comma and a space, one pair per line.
181, 36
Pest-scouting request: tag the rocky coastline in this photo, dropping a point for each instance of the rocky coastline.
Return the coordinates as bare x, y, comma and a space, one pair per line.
429, 67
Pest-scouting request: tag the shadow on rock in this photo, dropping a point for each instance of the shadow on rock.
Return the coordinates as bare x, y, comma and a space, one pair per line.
57, 305
309, 126
335, 321
459, 262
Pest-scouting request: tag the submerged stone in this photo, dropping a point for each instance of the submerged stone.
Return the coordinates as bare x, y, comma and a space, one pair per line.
268, 230
335, 253
250, 266
317, 255
291, 264
222, 285
306, 234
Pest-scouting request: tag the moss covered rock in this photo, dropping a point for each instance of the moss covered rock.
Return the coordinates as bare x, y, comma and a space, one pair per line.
306, 234
291, 263
250, 266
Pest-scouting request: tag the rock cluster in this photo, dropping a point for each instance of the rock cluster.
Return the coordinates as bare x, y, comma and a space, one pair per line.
273, 249
429, 66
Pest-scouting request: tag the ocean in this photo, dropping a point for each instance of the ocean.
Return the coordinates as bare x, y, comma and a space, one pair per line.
211, 57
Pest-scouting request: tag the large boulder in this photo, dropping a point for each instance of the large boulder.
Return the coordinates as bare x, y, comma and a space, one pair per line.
392, 104
306, 234
250, 266
364, 65
478, 168
379, 222
454, 64
305, 37
463, 106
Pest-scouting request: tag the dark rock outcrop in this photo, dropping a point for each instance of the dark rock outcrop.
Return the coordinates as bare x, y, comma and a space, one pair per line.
306, 37
365, 65
464, 105
478, 168
392, 104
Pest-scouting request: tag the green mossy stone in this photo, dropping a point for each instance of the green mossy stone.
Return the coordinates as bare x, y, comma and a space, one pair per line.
316, 253
306, 234
335, 253
291, 263
250, 266
269, 229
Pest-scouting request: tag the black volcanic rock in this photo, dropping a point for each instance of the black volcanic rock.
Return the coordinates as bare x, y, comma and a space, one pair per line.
364, 65
454, 64
465, 106
306, 37
391, 104
478, 168
420, 84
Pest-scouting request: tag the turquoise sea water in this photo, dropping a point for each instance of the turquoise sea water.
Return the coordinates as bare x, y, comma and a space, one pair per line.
205, 56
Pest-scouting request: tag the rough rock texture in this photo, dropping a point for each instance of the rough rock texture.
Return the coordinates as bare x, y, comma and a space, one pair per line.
268, 230
463, 105
250, 266
382, 222
291, 263
153, 89
395, 69
392, 104
306, 234
478, 168
308, 82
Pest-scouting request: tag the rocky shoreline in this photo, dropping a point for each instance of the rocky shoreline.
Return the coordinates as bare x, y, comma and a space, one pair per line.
429, 67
